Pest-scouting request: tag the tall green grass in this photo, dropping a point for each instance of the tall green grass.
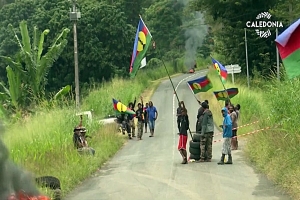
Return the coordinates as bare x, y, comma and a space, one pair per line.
275, 151
42, 142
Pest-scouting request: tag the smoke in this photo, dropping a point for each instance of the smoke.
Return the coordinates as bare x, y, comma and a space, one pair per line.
13, 179
195, 32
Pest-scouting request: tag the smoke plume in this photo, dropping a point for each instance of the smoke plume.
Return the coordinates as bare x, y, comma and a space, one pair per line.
195, 32
13, 179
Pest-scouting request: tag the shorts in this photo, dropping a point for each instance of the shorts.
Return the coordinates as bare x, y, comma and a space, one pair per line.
182, 142
151, 124
226, 149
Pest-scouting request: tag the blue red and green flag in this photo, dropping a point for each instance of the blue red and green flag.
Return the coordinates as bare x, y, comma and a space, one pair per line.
222, 95
141, 43
288, 44
202, 84
220, 69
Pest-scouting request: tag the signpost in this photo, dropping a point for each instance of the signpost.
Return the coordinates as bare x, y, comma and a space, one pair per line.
233, 69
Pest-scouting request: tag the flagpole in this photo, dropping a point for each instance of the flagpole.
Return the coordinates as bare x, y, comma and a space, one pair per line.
167, 73
224, 88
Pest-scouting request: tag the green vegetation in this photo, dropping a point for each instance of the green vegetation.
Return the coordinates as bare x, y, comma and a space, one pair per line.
227, 20
274, 151
42, 142
40, 138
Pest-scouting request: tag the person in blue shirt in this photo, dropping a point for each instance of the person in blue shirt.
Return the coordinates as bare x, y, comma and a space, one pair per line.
227, 135
152, 116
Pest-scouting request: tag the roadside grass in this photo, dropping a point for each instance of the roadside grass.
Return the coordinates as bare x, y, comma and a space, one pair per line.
42, 143
276, 152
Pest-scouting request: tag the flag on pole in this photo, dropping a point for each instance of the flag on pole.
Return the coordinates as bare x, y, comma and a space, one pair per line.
288, 44
222, 71
143, 62
118, 106
222, 95
141, 43
202, 84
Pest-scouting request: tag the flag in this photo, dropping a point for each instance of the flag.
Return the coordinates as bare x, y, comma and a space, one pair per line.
222, 71
222, 95
143, 62
202, 84
288, 44
141, 44
118, 106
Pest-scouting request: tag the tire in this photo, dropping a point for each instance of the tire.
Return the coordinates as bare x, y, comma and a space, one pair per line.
50, 182
194, 151
195, 157
196, 137
194, 145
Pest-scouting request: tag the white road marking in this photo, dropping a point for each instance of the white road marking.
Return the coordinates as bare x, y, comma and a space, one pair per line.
174, 125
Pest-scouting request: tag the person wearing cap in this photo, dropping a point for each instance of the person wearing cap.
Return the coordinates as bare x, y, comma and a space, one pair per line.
207, 132
227, 135
77, 140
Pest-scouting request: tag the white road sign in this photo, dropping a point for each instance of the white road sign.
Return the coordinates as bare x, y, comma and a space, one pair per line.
233, 69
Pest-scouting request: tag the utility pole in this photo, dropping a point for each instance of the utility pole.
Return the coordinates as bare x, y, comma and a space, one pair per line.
277, 58
246, 49
74, 16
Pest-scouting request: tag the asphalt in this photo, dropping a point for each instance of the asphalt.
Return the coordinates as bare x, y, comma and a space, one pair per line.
151, 169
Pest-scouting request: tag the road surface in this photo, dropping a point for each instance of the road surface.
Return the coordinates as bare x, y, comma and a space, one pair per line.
150, 169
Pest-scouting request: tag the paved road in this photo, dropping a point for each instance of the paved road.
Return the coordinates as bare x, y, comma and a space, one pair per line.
151, 169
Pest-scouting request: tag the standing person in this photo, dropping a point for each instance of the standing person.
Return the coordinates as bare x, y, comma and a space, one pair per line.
207, 133
227, 135
234, 119
183, 134
146, 116
199, 119
152, 116
131, 106
179, 112
140, 118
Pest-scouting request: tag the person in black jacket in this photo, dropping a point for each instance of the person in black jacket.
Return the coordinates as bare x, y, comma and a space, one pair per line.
183, 133
179, 112
146, 116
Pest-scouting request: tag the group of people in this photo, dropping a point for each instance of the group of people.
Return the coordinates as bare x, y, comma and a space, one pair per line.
144, 115
80, 140
205, 127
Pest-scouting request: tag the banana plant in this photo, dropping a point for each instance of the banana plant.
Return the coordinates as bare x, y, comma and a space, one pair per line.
13, 92
32, 67
62, 92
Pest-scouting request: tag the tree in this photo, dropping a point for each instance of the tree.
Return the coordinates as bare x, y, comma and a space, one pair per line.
31, 69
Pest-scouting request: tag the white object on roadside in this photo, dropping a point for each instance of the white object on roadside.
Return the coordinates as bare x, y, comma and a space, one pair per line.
88, 113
